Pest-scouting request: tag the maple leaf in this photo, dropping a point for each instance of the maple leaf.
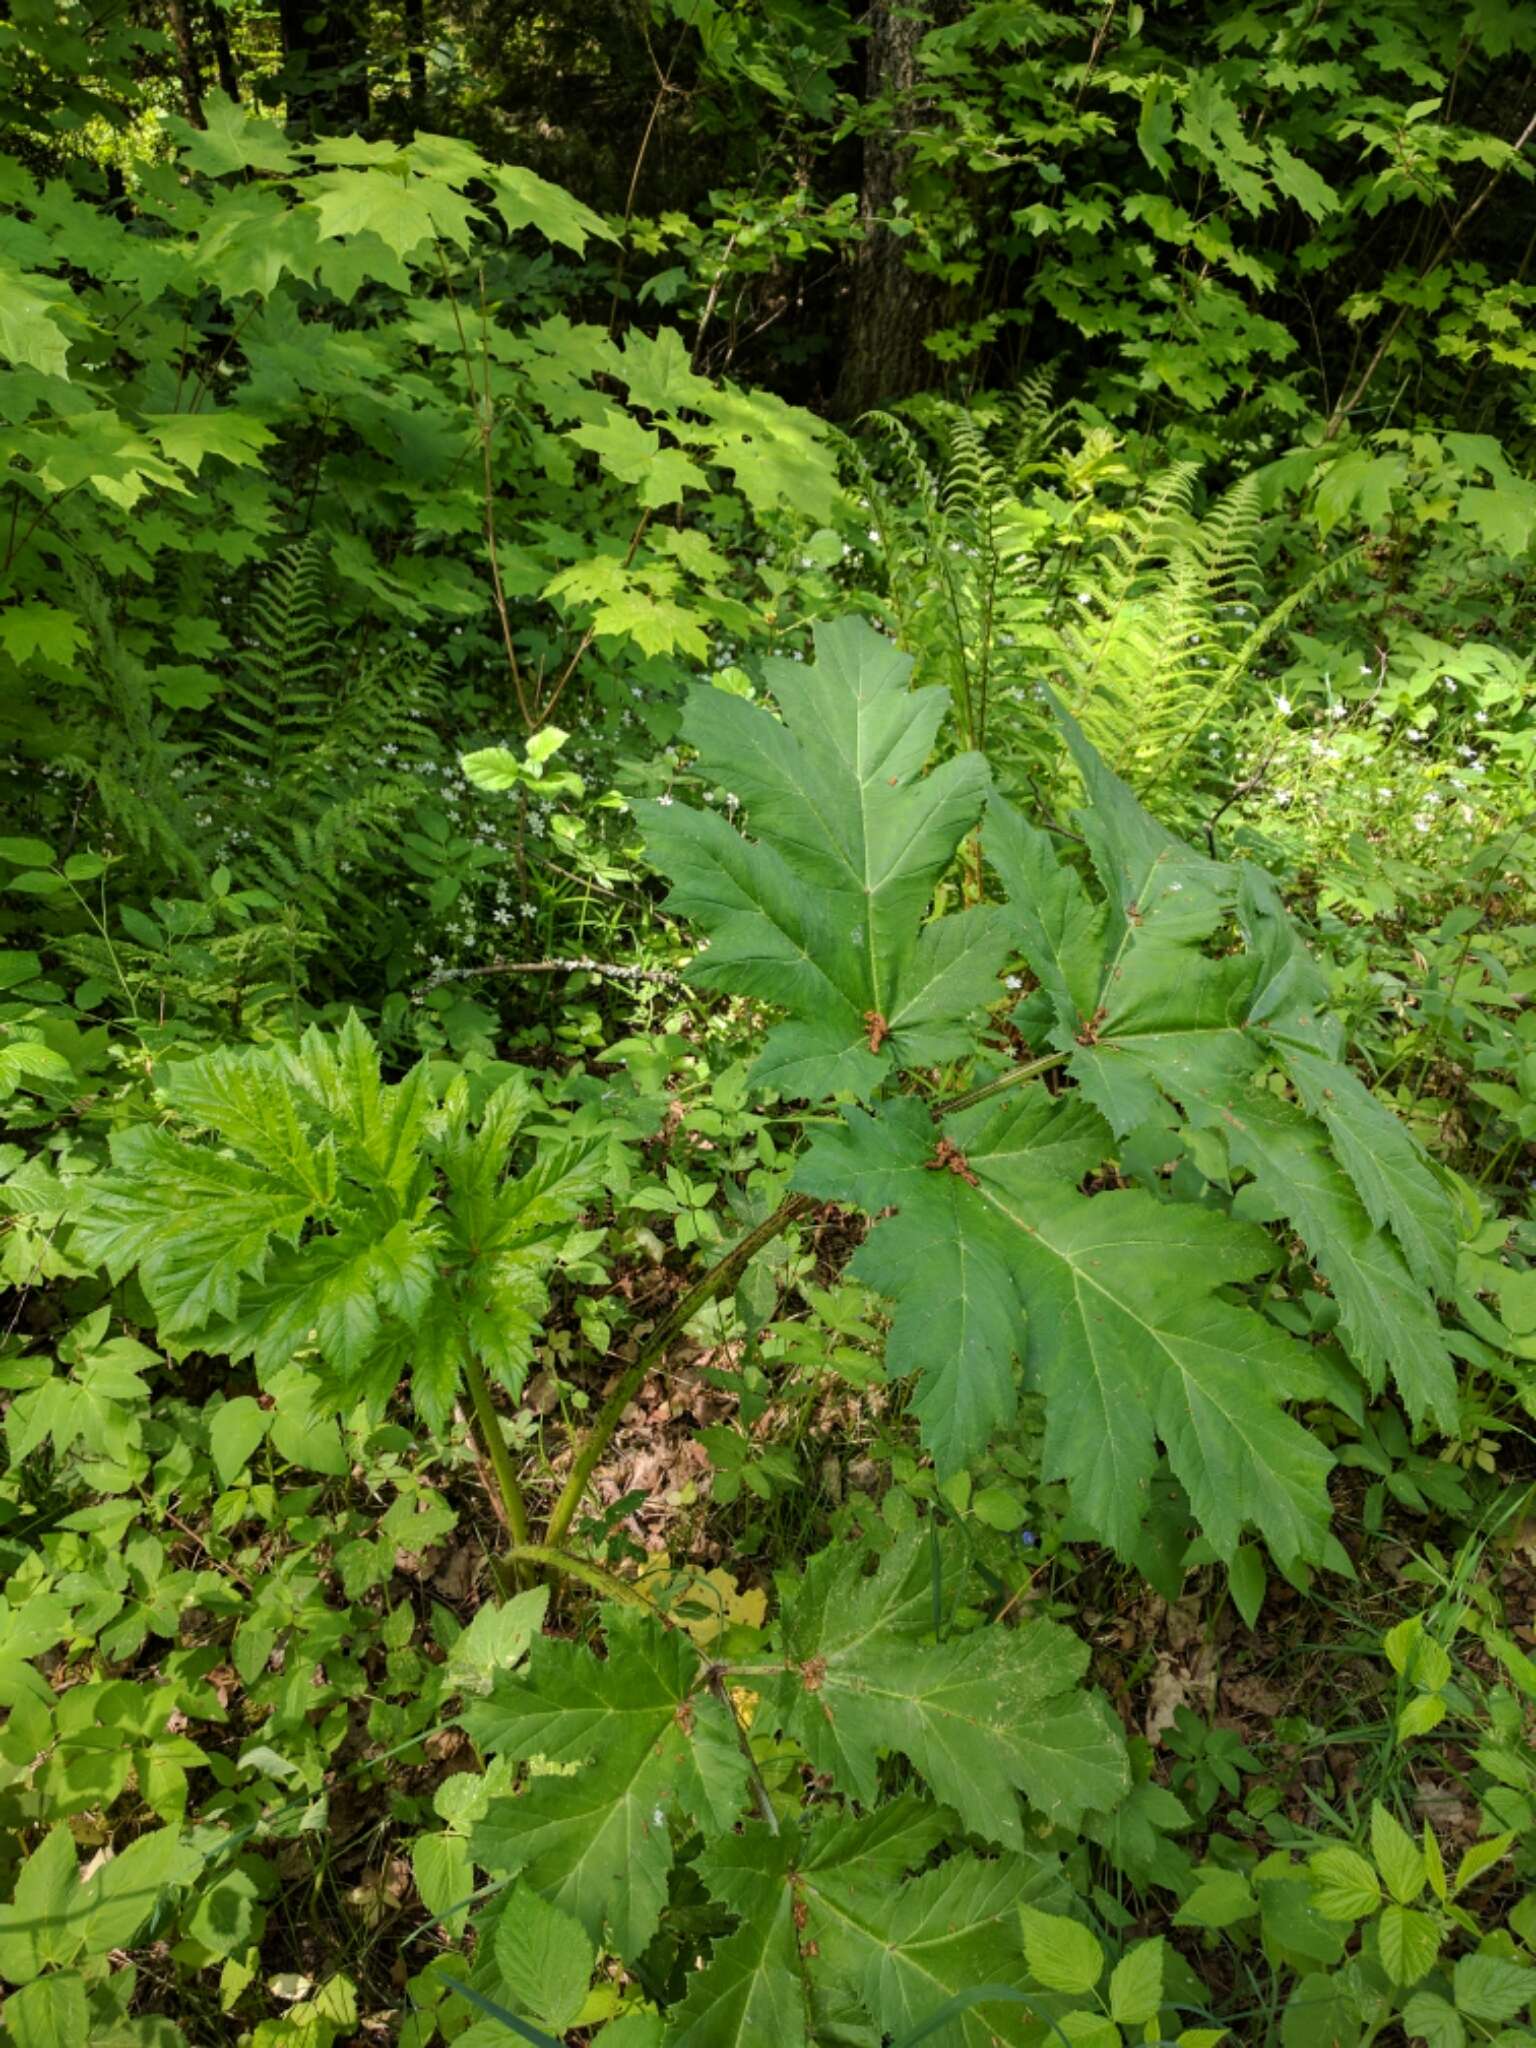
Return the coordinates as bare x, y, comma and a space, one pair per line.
821, 911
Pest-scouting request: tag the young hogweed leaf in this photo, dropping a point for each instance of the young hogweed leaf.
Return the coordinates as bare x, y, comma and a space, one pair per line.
321, 1207
820, 911
835, 1933
627, 1746
1115, 1301
982, 1718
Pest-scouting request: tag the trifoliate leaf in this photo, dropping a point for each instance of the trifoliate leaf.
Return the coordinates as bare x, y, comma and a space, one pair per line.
1432, 2019
1061, 1953
1409, 1942
544, 1958
1136, 1984
1489, 1988
1399, 1859
1345, 1886
444, 1877
234, 1430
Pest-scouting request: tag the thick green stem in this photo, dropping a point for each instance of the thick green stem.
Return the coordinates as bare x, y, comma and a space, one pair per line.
1011, 1079
548, 1559
600, 1435
494, 1445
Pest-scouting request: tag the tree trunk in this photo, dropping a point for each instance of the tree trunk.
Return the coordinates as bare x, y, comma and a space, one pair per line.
416, 57
223, 55
325, 81
892, 307
186, 62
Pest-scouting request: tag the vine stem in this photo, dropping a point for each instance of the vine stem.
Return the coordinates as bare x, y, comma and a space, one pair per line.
606, 1421
494, 1444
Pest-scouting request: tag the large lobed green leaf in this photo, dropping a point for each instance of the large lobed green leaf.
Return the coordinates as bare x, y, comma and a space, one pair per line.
1180, 998
821, 911
303, 1202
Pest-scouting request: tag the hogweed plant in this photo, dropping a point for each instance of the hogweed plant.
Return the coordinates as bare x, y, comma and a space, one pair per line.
862, 1792
1030, 1220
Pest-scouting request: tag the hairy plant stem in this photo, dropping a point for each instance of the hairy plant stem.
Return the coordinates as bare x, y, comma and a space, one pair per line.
549, 1559
1011, 1079
494, 1445
599, 1436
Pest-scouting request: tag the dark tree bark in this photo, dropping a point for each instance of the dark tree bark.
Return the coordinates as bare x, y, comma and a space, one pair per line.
416, 57
186, 62
223, 55
892, 308
325, 44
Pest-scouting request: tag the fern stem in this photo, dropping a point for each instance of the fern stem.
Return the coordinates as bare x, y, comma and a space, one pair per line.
600, 1435
1011, 1079
494, 1444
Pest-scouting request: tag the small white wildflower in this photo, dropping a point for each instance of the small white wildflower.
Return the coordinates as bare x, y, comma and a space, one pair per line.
1339, 711
663, 799
1283, 706
1014, 981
